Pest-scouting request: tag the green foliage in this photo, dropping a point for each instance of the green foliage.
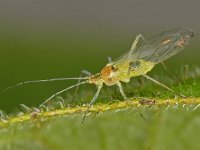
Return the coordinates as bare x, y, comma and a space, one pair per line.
124, 129
154, 121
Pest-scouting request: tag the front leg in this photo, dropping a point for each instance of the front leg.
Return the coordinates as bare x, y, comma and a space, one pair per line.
92, 102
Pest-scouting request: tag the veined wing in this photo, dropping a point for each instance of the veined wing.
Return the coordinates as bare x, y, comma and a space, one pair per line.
158, 47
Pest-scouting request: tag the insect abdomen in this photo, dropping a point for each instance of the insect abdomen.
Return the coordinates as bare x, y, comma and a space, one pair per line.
141, 67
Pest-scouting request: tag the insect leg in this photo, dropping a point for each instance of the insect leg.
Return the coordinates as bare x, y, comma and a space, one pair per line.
121, 90
47, 100
76, 90
133, 50
164, 66
157, 82
137, 40
92, 102
135, 44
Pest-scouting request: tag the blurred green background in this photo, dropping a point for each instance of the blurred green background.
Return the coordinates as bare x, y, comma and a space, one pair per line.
51, 39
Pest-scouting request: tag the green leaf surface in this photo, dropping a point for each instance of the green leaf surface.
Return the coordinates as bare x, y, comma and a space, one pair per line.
152, 121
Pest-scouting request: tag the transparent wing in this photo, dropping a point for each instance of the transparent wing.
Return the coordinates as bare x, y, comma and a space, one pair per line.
159, 47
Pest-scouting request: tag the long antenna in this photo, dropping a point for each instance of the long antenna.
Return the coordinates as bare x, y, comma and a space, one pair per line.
38, 81
57, 93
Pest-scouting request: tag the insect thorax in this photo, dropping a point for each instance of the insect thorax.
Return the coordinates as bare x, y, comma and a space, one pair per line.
109, 75
113, 73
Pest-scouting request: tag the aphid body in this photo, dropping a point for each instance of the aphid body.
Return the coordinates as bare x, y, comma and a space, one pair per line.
142, 57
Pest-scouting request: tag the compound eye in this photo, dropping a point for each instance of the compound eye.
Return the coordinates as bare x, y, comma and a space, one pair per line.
114, 68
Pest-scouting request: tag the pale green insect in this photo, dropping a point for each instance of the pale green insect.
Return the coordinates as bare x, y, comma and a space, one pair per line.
140, 59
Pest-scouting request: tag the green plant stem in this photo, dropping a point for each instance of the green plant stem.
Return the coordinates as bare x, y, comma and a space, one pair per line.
98, 108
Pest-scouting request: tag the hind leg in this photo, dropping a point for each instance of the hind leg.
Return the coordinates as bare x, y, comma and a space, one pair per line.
157, 82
